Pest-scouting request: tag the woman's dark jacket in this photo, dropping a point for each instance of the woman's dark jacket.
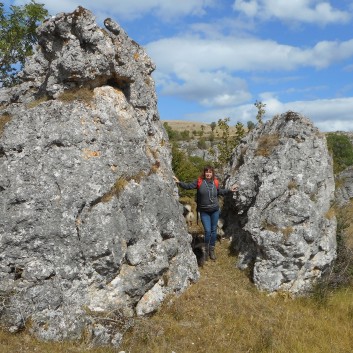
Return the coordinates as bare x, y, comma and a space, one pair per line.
207, 194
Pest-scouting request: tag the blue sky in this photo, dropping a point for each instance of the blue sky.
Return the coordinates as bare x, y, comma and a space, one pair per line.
215, 58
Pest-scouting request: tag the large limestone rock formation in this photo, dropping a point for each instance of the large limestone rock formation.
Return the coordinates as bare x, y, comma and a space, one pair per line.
280, 220
90, 232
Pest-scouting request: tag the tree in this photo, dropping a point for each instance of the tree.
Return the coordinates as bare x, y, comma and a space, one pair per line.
186, 168
173, 135
213, 125
228, 143
17, 37
201, 143
260, 111
341, 149
239, 132
185, 135
250, 125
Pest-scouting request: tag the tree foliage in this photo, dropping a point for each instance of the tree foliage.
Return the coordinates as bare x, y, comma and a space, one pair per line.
341, 149
186, 168
17, 37
250, 125
260, 111
227, 143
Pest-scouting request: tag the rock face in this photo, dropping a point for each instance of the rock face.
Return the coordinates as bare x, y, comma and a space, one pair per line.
280, 219
344, 193
90, 232
192, 149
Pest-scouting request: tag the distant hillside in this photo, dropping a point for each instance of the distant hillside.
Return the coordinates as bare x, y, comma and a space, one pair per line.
181, 125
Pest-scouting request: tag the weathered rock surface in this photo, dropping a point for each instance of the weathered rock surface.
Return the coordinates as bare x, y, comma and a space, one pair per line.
280, 219
344, 193
344, 180
90, 232
193, 150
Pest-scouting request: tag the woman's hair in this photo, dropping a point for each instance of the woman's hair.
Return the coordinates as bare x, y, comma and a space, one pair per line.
205, 169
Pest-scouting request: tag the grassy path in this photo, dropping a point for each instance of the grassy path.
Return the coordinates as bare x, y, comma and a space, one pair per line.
224, 313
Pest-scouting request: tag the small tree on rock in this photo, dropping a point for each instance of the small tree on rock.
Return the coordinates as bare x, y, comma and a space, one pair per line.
213, 125
17, 38
260, 111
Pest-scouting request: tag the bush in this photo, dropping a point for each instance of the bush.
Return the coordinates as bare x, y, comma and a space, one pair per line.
342, 151
201, 143
173, 135
185, 135
186, 168
341, 273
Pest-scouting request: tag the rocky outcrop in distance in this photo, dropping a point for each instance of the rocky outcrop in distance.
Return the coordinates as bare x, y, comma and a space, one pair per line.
344, 179
281, 221
90, 232
344, 193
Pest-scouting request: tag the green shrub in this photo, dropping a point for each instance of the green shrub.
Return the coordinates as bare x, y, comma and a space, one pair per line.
201, 143
185, 135
186, 168
228, 142
173, 135
342, 151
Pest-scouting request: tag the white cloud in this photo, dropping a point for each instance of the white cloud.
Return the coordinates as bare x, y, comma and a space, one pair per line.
208, 88
244, 53
326, 114
206, 70
249, 8
130, 9
307, 11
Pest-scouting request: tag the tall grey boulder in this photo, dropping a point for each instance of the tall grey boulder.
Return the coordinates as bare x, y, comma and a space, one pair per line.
280, 220
90, 232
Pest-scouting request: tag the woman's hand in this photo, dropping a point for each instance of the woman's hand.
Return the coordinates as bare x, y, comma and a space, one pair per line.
234, 188
176, 179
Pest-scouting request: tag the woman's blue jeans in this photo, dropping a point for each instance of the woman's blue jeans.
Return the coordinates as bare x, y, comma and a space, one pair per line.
209, 221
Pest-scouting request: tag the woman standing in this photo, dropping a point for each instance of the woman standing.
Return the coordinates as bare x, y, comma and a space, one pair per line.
207, 204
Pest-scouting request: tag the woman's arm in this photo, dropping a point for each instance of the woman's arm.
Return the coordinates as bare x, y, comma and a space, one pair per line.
223, 192
187, 186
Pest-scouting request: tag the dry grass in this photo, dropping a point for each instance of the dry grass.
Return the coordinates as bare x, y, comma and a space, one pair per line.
345, 216
83, 94
4, 119
330, 213
287, 231
266, 144
181, 125
116, 189
224, 313
268, 226
292, 185
37, 101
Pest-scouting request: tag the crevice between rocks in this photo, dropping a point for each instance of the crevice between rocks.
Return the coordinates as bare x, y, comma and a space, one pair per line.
78, 220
